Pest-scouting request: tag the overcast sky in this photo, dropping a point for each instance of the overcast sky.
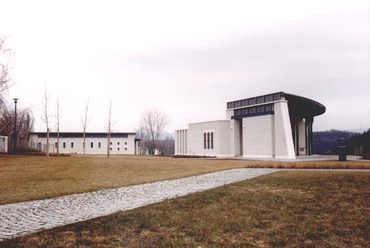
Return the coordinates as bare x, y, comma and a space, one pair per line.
187, 58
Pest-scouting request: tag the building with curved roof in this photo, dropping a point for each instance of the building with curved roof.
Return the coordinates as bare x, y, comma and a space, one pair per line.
277, 125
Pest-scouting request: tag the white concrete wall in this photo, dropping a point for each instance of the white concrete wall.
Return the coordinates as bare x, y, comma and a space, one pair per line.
284, 147
221, 138
181, 142
258, 133
4, 144
235, 138
118, 146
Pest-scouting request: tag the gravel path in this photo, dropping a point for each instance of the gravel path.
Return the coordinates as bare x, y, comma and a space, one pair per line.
26, 217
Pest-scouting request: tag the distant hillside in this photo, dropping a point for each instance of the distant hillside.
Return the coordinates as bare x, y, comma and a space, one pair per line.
324, 142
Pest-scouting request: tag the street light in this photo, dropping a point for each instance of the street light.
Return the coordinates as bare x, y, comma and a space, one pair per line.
15, 124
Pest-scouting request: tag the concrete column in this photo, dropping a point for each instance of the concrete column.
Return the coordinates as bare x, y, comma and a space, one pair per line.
235, 137
302, 149
284, 147
177, 142
310, 136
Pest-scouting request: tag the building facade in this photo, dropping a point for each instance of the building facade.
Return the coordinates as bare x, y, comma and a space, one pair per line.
277, 125
95, 143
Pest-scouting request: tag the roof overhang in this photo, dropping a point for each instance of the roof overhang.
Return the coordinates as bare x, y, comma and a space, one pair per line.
301, 107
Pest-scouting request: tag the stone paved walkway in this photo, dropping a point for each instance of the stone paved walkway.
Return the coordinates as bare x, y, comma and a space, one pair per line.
26, 217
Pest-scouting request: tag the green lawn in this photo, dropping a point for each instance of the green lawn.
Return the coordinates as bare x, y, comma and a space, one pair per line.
284, 209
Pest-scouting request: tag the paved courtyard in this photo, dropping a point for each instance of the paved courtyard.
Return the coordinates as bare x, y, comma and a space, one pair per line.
26, 217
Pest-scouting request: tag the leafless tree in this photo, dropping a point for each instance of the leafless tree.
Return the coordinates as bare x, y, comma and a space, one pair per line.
45, 118
109, 129
57, 119
4, 69
152, 124
85, 122
24, 125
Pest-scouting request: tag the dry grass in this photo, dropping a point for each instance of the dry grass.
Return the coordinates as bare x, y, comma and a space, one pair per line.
32, 177
285, 209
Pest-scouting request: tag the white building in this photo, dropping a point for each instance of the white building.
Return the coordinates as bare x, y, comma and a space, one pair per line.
277, 125
96, 143
3, 144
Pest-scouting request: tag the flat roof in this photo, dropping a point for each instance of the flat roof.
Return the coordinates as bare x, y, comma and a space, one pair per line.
297, 104
80, 134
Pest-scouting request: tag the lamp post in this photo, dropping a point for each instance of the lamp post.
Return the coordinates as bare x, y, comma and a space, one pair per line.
15, 124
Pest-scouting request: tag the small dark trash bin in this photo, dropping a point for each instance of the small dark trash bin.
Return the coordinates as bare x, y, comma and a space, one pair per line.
342, 149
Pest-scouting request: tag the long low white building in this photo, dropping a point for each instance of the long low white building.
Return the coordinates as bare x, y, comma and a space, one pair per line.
96, 142
277, 125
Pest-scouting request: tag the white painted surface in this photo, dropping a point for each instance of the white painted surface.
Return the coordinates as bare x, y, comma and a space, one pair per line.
181, 142
284, 147
221, 138
118, 146
235, 138
257, 136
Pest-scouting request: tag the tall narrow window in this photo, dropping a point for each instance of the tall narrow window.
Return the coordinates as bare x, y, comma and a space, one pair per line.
211, 140
99, 144
64, 144
208, 140
92, 144
72, 144
205, 140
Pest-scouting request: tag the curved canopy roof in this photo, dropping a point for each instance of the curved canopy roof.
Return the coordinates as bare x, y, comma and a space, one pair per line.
303, 107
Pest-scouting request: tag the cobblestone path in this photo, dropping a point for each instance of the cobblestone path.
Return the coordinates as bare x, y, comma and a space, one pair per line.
26, 217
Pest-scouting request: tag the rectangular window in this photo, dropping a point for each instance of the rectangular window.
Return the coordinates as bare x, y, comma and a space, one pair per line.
117, 143
125, 148
56, 144
110, 143
208, 141
92, 144
64, 144
205, 140
99, 144
72, 144
211, 140
125, 143
259, 109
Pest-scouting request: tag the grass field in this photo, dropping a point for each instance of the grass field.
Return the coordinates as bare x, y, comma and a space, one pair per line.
32, 177
284, 209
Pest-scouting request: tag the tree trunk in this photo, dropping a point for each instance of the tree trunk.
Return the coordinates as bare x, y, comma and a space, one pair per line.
47, 143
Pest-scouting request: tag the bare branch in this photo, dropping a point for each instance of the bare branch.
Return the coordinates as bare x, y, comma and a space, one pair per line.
153, 123
4, 68
85, 121
109, 129
45, 118
57, 118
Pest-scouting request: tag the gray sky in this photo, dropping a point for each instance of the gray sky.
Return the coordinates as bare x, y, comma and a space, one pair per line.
187, 58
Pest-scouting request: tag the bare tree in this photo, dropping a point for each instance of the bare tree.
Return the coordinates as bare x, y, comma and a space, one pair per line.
45, 118
24, 125
153, 122
85, 122
57, 119
109, 129
4, 68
